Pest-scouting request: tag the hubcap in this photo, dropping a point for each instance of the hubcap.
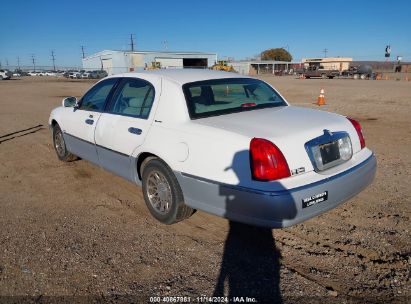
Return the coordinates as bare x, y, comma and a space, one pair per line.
59, 143
159, 192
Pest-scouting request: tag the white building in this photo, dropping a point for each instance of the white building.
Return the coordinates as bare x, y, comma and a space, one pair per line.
115, 62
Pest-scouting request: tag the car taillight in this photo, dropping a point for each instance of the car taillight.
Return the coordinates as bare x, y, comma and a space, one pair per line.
267, 161
357, 127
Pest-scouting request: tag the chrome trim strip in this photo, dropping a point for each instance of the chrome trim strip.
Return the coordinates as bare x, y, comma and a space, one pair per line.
282, 192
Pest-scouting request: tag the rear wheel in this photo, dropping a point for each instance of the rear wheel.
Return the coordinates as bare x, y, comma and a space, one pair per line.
60, 145
162, 193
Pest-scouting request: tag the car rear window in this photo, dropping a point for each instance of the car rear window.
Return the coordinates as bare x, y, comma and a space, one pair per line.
224, 96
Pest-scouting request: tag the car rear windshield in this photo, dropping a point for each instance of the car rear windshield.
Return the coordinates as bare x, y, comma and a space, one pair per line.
230, 95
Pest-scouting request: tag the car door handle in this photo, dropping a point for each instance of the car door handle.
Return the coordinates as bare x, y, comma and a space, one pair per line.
136, 131
89, 121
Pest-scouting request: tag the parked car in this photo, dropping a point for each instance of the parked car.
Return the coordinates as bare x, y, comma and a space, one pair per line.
97, 74
216, 141
49, 73
19, 73
5, 74
85, 75
74, 75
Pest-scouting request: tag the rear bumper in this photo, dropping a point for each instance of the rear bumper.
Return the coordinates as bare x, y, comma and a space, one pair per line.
275, 209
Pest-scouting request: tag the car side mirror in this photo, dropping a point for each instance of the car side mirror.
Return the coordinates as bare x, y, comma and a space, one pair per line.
69, 102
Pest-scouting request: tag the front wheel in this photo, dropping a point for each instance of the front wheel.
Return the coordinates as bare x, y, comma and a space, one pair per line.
162, 193
60, 145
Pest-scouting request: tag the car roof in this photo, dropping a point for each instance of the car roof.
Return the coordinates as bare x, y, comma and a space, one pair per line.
183, 76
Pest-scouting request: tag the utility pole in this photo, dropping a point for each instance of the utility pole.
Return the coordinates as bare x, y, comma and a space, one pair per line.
54, 60
165, 44
82, 51
33, 59
7, 63
325, 52
18, 62
132, 42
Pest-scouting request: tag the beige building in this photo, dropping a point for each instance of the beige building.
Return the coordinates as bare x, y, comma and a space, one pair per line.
328, 63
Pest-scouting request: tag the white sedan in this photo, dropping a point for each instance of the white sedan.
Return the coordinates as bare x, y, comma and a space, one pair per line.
220, 142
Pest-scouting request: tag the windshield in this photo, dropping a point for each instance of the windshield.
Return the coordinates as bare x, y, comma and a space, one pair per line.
223, 96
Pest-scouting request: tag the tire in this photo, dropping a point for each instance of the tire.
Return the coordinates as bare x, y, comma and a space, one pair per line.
60, 145
1, 77
162, 193
363, 76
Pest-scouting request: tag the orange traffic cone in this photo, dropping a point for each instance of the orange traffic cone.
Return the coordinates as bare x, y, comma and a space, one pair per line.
321, 98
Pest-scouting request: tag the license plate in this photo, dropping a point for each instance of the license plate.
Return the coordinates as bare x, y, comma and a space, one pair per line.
329, 152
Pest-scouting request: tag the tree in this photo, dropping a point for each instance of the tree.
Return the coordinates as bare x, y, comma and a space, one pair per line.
278, 54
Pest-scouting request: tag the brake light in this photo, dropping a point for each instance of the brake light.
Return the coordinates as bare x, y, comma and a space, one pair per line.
266, 160
248, 104
357, 127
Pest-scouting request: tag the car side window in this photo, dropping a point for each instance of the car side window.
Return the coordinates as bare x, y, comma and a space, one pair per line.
95, 98
134, 97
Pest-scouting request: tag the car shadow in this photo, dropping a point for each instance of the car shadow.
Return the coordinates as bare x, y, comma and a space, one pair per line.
251, 261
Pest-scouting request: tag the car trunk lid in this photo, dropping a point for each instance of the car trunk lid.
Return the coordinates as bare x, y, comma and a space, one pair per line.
289, 128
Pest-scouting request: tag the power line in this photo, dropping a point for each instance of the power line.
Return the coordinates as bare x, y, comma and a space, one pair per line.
54, 60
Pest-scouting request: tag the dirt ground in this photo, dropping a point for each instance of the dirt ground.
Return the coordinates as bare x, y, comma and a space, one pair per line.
71, 231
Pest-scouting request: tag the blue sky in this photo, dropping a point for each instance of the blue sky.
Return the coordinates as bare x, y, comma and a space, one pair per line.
238, 29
